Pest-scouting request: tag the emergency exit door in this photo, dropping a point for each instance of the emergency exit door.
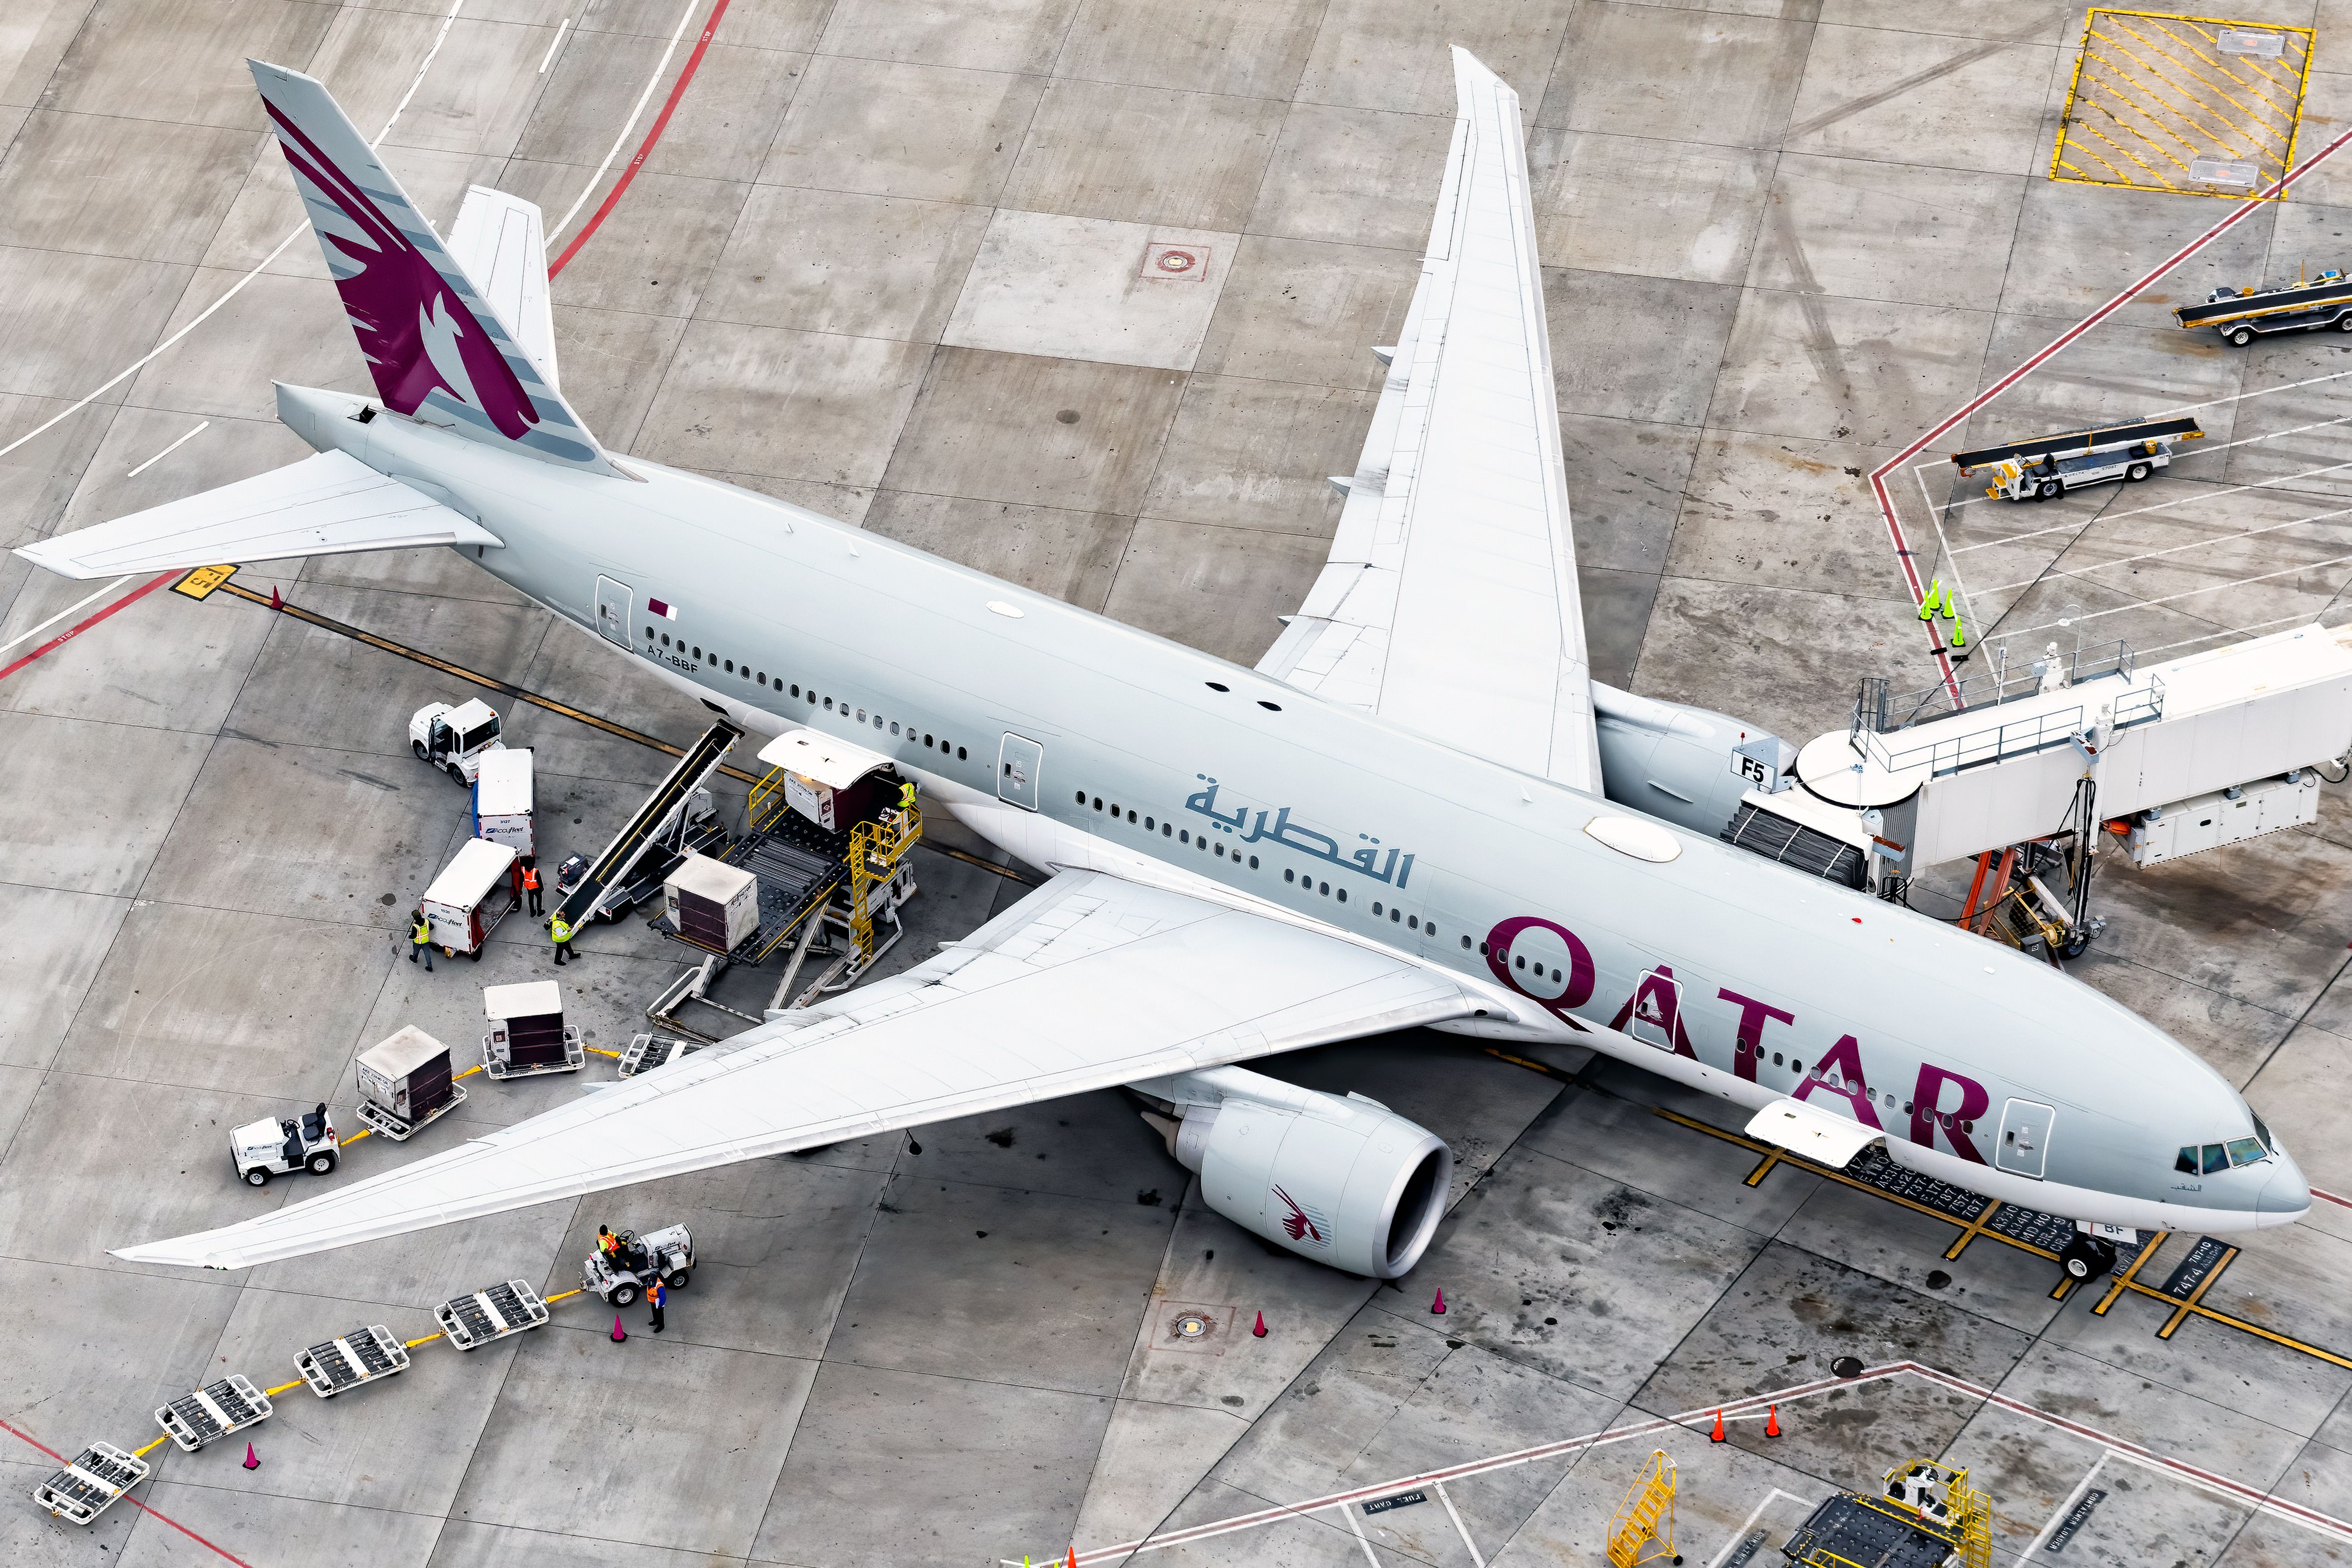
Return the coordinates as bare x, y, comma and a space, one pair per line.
1018, 762
2024, 1138
612, 610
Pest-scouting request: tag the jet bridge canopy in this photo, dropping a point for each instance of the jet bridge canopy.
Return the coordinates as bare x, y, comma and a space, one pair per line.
2074, 443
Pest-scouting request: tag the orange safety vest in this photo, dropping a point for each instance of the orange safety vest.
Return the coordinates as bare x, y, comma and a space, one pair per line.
530, 878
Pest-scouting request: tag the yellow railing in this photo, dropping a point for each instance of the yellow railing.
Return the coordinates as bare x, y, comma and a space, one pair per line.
1635, 1535
768, 800
874, 850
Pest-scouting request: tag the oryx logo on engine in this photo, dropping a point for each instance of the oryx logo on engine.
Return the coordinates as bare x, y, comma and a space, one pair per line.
1302, 1224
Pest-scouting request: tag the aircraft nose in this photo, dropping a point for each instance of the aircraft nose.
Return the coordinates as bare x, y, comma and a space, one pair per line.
2285, 1195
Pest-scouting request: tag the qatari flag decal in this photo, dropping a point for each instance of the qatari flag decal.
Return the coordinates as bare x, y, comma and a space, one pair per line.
662, 607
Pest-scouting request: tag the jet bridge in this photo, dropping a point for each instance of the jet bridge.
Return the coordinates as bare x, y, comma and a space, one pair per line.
2169, 759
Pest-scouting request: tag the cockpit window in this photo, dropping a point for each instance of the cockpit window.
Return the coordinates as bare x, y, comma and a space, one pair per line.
2211, 1159
2216, 1157
2246, 1150
2263, 1132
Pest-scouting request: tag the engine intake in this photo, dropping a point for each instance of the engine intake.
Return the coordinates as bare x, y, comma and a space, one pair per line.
1342, 1180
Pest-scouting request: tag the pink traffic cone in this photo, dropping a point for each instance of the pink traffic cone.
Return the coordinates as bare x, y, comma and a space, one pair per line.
619, 1334
1437, 1308
1260, 1330
252, 1461
276, 603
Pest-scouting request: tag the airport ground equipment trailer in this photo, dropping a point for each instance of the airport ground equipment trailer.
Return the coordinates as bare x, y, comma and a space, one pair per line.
90, 1483
342, 1363
667, 1255
528, 1035
647, 1051
2048, 467
504, 794
474, 1320
479, 888
2240, 315
213, 1412
455, 739
278, 1145
405, 1083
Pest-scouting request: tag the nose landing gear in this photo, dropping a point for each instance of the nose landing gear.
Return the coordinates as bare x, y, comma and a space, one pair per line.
2086, 1257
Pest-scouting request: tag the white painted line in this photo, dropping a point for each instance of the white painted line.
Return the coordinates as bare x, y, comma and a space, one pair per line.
168, 450
1741, 1533
61, 615
547, 59
135, 366
2229, 632
1348, 1509
2144, 511
1459, 1528
2191, 594
1944, 545
2171, 550
2067, 1507
653, 81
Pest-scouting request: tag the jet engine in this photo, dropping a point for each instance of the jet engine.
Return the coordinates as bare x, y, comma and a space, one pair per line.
1685, 764
1340, 1179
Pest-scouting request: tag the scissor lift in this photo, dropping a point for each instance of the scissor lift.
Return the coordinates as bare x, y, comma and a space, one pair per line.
347, 1360
472, 1322
93, 1482
196, 1420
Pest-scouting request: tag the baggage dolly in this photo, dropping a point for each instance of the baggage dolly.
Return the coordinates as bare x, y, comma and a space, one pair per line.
92, 1482
212, 1413
347, 1360
648, 1051
474, 1320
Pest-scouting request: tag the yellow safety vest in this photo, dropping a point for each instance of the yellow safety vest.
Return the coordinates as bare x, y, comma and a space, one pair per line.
561, 932
423, 933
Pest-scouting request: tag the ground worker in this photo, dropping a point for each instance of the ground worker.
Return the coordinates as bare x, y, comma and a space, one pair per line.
906, 796
561, 930
655, 1299
608, 1244
420, 938
530, 883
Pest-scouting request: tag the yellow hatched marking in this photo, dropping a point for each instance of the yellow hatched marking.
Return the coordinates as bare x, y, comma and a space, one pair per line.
2152, 93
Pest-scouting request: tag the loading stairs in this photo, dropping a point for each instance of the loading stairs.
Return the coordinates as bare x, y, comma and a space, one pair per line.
661, 834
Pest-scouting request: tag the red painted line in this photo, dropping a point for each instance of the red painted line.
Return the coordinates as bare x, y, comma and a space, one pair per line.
2339, 1201
1878, 476
76, 630
134, 1502
661, 123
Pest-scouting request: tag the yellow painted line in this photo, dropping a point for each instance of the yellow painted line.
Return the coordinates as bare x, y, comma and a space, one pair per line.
2173, 1322
488, 682
2123, 1280
199, 585
1973, 1229
1764, 1168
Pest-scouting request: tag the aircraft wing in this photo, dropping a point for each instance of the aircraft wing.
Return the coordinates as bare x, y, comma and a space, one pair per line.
328, 504
1450, 600
1087, 982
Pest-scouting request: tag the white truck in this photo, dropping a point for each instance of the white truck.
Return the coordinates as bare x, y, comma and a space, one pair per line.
472, 893
455, 739
2049, 465
502, 799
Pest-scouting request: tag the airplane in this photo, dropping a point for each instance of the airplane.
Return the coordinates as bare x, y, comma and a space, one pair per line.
1406, 815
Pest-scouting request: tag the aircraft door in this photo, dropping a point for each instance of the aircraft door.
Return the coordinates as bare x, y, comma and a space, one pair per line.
2024, 1138
612, 610
1019, 761
1658, 1007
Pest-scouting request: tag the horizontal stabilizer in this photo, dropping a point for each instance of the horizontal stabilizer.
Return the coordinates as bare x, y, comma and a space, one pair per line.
330, 504
1822, 1136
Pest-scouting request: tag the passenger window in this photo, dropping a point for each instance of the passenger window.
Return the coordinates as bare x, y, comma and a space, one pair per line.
959, 757
1343, 895
2217, 1158
828, 704
698, 653
1376, 906
1220, 851
1166, 828
861, 715
730, 667
1466, 942
1185, 836
1288, 875
1252, 862
1796, 1064
1413, 923
1324, 889
1394, 915
664, 636
1147, 825
893, 726
1082, 794
1098, 803
927, 740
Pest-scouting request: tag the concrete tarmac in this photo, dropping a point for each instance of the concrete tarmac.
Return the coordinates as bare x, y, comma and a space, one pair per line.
886, 262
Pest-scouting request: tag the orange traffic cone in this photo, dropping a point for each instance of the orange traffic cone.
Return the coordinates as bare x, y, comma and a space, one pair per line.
1072, 1562
1717, 1435
619, 1334
1437, 1308
1260, 1330
252, 1461
1772, 1422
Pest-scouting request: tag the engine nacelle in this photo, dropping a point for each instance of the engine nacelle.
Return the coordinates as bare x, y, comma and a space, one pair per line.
1344, 1181
1685, 764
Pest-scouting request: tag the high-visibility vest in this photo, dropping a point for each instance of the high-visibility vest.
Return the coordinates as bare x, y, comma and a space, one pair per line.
423, 933
659, 1295
906, 796
560, 931
530, 878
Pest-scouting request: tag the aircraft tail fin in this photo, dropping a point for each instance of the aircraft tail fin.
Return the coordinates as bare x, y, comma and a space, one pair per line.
436, 347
